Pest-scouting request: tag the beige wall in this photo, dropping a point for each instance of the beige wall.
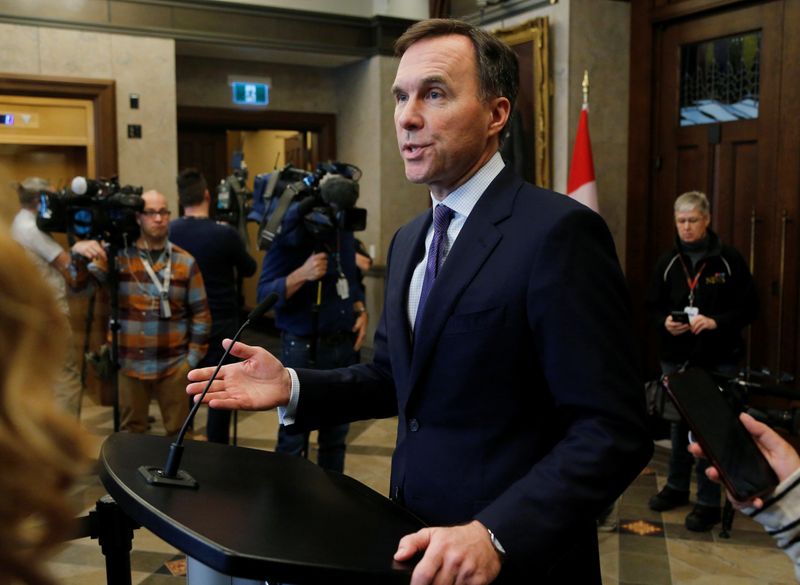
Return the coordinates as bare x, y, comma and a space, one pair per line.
366, 138
137, 64
204, 82
599, 42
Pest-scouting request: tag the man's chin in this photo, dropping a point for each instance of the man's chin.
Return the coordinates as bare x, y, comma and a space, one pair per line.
416, 175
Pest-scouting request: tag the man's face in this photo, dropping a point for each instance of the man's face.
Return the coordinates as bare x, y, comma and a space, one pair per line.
444, 131
691, 225
154, 220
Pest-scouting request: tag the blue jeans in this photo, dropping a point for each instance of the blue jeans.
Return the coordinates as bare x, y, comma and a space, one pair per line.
333, 351
681, 461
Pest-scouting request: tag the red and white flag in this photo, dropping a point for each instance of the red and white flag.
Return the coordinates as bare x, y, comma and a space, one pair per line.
581, 184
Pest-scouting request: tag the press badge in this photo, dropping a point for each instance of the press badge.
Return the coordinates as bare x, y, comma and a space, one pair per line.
343, 288
166, 311
692, 312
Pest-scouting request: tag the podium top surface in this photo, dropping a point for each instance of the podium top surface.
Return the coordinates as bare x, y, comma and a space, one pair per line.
258, 514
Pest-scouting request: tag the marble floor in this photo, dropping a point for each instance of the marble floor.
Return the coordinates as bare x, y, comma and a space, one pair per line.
645, 548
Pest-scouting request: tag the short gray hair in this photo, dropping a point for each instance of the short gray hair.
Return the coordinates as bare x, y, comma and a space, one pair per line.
693, 200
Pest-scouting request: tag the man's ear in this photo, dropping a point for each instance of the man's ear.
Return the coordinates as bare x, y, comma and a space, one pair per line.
500, 110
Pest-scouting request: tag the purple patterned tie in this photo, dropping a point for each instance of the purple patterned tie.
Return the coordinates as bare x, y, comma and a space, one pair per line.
442, 215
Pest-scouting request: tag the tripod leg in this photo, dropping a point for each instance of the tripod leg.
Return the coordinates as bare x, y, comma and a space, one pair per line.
114, 531
727, 519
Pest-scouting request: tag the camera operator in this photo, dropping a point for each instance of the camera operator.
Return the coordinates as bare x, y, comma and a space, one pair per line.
164, 319
59, 269
706, 284
320, 311
222, 257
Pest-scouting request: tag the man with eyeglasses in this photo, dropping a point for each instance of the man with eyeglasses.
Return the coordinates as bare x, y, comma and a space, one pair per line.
164, 320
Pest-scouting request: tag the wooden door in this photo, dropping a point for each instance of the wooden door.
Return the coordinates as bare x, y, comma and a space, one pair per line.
205, 149
733, 162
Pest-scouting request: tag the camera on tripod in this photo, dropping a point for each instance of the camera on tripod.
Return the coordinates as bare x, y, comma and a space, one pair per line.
93, 209
326, 201
232, 197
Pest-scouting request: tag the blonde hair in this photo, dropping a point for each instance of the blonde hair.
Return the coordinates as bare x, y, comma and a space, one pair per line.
41, 447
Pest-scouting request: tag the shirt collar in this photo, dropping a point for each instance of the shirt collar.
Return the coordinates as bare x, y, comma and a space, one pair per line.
463, 199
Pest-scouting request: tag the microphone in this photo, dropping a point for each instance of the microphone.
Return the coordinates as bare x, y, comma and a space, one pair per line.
339, 191
170, 475
306, 205
84, 186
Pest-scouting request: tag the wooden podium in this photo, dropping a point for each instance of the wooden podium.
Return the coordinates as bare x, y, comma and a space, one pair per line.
261, 515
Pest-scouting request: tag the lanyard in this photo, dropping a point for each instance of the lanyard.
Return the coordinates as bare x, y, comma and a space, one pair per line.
162, 288
692, 282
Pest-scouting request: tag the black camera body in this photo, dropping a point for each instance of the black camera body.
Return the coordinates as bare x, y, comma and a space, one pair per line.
93, 209
232, 198
326, 197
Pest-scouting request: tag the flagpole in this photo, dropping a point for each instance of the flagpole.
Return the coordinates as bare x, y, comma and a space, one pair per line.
581, 183
585, 86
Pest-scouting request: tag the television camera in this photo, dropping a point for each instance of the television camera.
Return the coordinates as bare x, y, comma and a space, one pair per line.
326, 201
232, 197
93, 209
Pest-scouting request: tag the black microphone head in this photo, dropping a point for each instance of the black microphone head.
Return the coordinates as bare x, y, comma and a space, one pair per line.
263, 307
339, 191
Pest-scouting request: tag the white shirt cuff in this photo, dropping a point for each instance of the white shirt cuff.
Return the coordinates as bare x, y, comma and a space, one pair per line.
287, 413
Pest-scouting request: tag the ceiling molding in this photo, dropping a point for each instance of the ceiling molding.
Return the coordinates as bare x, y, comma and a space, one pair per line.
258, 30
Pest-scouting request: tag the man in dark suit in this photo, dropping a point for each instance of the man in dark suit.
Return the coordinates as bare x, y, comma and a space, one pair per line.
504, 346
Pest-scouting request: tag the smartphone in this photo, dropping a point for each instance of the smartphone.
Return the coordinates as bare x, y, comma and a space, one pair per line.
727, 444
680, 316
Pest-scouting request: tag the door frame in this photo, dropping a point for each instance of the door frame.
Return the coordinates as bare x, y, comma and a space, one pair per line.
236, 119
650, 20
102, 94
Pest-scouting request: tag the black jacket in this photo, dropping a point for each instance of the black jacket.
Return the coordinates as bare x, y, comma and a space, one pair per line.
725, 292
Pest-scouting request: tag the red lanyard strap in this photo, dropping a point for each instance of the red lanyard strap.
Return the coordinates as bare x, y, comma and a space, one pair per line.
692, 282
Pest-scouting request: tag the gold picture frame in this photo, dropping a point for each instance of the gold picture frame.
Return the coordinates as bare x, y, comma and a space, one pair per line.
530, 41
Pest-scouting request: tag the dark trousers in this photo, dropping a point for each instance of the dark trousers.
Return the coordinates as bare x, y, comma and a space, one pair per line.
219, 421
681, 461
333, 351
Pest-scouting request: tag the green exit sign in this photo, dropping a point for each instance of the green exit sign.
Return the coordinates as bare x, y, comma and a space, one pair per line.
250, 94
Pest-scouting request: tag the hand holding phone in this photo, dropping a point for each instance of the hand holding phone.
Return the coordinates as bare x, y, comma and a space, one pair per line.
743, 469
680, 317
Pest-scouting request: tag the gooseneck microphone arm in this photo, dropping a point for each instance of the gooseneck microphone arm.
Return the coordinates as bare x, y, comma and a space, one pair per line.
170, 474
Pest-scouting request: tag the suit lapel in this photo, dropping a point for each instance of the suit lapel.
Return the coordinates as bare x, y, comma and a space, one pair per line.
476, 241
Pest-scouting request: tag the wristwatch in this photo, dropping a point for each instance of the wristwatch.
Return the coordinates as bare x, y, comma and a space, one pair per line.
496, 544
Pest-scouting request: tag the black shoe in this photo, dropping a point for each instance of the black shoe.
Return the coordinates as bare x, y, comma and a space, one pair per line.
702, 518
667, 499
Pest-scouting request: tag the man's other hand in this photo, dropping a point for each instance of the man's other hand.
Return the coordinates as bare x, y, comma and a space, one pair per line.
456, 554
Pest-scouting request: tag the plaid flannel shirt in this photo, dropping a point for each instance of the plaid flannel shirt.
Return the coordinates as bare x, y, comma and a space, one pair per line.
151, 347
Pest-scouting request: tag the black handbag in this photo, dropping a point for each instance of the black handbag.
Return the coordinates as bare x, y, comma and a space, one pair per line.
659, 404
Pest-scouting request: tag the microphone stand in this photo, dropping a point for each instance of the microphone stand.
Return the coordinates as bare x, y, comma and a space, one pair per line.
114, 326
170, 475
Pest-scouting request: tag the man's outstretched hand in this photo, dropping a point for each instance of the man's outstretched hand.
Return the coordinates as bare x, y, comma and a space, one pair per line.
259, 382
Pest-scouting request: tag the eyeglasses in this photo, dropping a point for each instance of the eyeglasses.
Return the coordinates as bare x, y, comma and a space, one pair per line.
161, 212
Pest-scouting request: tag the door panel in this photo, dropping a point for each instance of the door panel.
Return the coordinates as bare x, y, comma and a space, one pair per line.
733, 162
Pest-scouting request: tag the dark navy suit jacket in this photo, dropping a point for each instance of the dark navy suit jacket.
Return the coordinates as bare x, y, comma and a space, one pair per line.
519, 402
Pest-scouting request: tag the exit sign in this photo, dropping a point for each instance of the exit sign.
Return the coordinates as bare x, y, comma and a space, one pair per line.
250, 94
